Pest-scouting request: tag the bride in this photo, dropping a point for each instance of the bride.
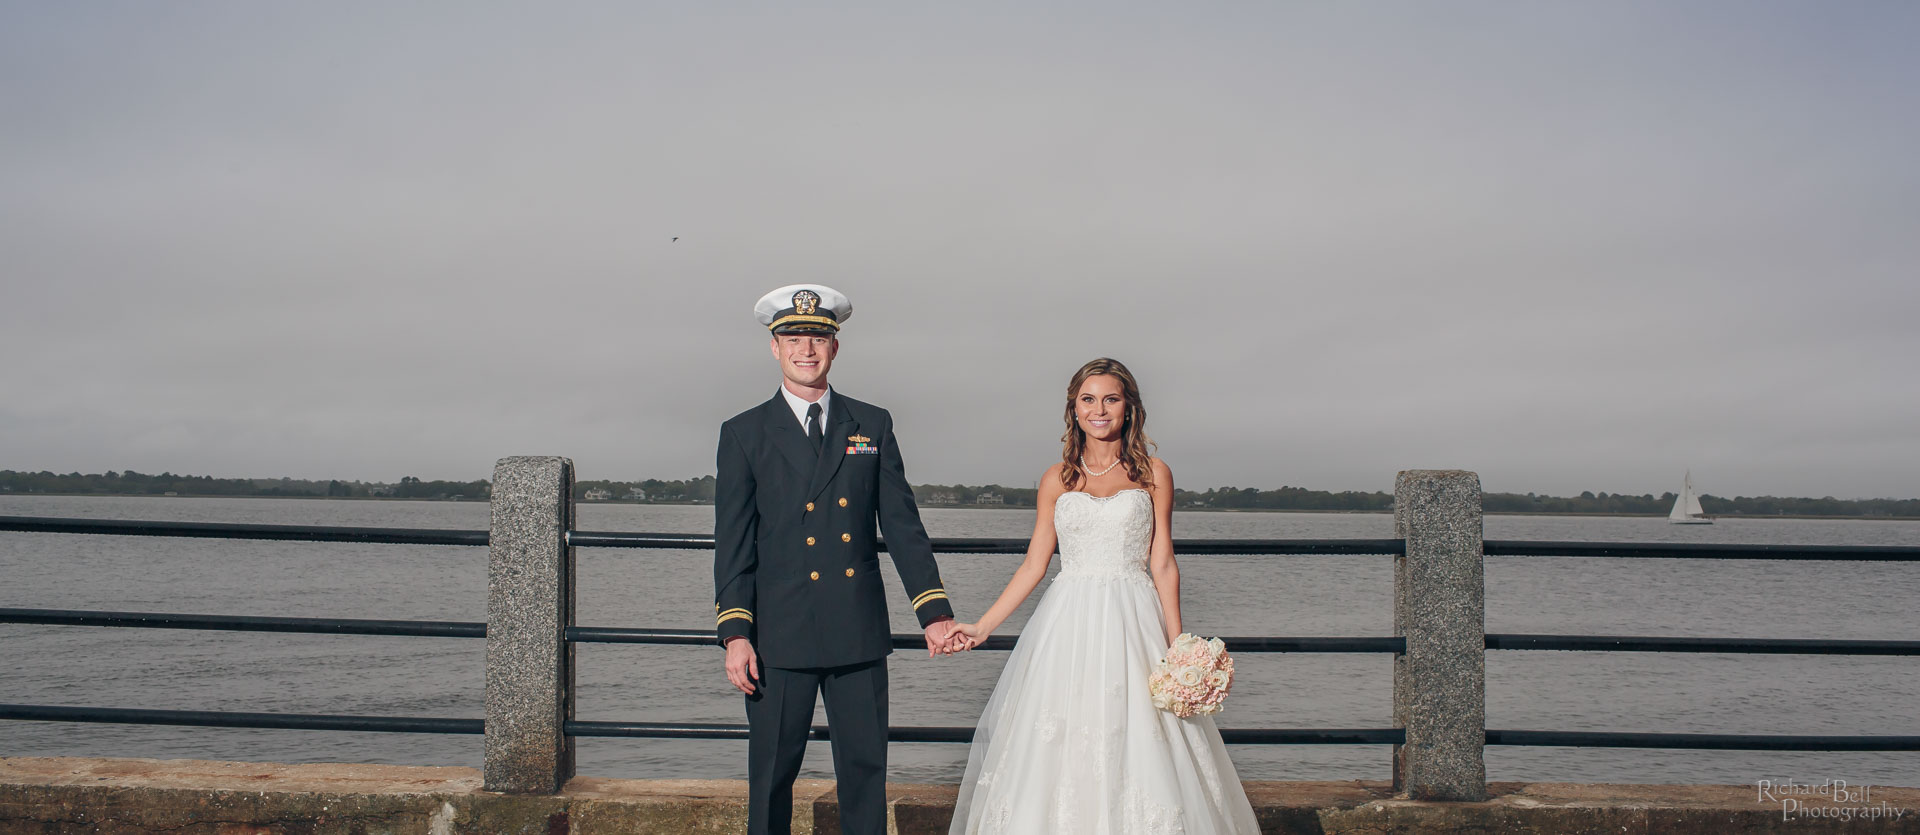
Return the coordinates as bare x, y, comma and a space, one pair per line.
1070, 740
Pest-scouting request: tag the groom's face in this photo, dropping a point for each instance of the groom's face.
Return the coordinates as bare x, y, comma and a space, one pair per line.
805, 357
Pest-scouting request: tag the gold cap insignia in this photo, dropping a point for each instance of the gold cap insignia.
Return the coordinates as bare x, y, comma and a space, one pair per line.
806, 302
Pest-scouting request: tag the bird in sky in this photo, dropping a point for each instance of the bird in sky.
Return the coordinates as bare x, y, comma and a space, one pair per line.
675, 238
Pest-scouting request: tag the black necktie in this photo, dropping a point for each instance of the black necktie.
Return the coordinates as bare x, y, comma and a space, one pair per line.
814, 432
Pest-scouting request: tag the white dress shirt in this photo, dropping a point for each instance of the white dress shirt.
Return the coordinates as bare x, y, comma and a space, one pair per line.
799, 407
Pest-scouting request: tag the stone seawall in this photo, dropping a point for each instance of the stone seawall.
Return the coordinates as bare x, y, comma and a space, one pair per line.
196, 797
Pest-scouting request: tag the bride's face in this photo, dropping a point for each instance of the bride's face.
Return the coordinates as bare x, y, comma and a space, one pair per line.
1100, 408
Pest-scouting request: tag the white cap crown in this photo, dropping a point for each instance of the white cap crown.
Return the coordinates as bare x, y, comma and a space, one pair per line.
803, 308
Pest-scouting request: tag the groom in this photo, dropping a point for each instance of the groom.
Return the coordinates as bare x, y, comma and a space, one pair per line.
803, 479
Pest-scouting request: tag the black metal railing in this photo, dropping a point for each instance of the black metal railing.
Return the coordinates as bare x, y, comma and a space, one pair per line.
244, 623
1259, 644
230, 530
248, 623
239, 719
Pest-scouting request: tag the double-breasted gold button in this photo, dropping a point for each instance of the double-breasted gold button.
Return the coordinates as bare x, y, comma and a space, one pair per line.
843, 501
849, 572
846, 537
809, 540
815, 575
809, 507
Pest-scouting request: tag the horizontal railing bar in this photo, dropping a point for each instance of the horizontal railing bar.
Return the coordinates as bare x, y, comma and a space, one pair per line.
248, 623
232, 719
1649, 643
914, 640
1701, 550
229, 530
961, 545
1235, 736
972, 545
629, 635
1886, 553
624, 539
1255, 736
1722, 742
911, 640
1313, 736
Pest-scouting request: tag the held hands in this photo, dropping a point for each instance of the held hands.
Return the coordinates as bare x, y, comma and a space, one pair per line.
940, 637
963, 637
944, 637
969, 635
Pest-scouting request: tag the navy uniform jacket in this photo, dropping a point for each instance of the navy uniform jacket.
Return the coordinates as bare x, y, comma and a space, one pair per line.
795, 567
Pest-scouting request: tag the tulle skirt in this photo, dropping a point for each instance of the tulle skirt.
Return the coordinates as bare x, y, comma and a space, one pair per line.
1070, 741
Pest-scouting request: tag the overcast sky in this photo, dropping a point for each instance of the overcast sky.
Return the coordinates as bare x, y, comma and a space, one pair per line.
1569, 246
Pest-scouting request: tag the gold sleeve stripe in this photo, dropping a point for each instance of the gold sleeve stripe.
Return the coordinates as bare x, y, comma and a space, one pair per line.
742, 611
733, 615
929, 597
923, 596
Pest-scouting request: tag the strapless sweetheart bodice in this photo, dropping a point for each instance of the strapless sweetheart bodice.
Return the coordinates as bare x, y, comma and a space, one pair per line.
1104, 536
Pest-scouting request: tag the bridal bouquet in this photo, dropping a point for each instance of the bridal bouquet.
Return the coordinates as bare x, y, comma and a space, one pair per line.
1193, 678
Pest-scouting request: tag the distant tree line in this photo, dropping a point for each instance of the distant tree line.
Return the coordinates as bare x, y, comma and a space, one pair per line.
992, 495
650, 491
700, 491
132, 483
1588, 502
1647, 503
1285, 498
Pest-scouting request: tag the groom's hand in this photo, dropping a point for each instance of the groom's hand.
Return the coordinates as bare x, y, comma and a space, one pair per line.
938, 632
743, 670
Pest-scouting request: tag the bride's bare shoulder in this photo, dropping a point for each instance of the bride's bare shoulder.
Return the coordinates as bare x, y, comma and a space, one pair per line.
1159, 467
1162, 478
1050, 484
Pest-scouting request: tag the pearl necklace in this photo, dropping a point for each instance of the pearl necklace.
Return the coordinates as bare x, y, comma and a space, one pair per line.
1091, 473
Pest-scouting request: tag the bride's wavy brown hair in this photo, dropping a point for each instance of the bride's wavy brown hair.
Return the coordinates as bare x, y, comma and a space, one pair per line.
1134, 443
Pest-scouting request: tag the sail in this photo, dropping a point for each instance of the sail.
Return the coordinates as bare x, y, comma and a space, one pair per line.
1686, 506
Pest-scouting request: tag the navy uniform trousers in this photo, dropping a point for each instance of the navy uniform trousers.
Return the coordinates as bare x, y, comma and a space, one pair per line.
797, 572
778, 718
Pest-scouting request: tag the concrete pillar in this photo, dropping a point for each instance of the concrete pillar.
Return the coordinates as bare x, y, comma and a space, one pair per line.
529, 606
1439, 606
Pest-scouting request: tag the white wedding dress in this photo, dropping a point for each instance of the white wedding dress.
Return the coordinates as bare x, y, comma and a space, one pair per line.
1070, 741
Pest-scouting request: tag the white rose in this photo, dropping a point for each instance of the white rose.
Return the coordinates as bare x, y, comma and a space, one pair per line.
1190, 677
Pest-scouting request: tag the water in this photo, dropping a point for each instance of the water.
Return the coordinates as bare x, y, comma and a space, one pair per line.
1335, 596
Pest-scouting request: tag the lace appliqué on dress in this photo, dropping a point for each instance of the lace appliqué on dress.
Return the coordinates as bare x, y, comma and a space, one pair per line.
1047, 726
1104, 538
1146, 817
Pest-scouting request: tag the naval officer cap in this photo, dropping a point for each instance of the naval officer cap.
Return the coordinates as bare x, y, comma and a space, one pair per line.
803, 308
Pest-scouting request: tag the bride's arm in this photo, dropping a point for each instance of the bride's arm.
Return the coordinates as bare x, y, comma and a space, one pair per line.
1166, 574
1032, 570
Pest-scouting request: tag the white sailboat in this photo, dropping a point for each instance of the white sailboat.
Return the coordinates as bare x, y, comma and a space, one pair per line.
1686, 506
